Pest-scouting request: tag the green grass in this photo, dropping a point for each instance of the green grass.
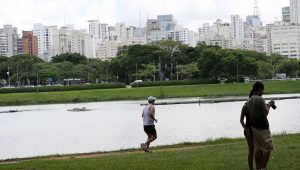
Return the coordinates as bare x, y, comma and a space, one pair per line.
223, 154
208, 90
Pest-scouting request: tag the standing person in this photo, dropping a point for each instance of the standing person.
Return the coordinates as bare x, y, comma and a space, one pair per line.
148, 116
258, 111
248, 132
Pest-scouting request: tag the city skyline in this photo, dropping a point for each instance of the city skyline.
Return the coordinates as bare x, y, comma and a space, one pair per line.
189, 13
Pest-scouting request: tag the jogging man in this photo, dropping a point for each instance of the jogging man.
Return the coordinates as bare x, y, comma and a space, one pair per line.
148, 116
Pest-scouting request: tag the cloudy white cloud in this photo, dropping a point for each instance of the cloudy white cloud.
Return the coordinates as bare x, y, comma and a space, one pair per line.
190, 13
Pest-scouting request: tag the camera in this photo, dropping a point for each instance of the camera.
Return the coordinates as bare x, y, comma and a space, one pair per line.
272, 104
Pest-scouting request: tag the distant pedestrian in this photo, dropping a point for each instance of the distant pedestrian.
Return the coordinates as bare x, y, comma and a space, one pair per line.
148, 116
248, 132
258, 111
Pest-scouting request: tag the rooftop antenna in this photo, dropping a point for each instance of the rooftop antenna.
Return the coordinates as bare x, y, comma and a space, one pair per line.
99, 13
140, 19
256, 9
64, 17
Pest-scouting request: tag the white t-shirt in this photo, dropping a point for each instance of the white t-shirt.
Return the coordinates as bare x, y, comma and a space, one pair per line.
147, 119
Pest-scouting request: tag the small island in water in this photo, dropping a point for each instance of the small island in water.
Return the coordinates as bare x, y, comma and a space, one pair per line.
78, 109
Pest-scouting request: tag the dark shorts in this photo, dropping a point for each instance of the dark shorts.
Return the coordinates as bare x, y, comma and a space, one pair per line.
150, 129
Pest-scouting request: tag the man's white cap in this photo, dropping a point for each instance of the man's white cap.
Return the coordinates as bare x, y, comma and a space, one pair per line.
151, 98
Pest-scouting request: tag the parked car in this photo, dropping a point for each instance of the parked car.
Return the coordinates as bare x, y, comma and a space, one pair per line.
136, 81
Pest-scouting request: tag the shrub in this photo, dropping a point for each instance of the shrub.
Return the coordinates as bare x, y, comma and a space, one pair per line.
62, 88
173, 83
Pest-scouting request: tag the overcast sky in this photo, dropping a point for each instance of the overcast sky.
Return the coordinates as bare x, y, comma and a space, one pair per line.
190, 13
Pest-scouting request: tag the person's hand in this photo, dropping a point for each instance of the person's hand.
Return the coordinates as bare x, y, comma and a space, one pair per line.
271, 102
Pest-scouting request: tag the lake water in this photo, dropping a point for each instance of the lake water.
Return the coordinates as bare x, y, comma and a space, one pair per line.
52, 129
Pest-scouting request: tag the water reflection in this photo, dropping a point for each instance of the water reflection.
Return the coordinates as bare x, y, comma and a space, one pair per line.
52, 129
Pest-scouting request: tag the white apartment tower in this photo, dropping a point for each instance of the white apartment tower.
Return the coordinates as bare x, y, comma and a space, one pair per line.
121, 31
218, 34
75, 41
8, 41
3, 43
237, 31
48, 41
206, 33
184, 35
285, 39
295, 11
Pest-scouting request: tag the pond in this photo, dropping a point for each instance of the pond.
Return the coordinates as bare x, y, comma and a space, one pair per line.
51, 129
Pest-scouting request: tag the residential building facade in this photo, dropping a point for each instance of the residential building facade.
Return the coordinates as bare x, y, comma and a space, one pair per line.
285, 39
295, 11
30, 43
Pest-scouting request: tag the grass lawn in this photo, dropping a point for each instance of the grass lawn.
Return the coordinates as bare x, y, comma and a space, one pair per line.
209, 90
222, 154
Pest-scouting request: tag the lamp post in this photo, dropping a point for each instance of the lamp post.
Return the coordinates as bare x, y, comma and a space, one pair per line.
136, 71
237, 70
154, 72
18, 75
174, 49
176, 70
8, 74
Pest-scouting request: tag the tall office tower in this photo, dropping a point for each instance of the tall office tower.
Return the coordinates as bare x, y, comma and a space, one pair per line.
166, 22
9, 41
286, 15
30, 43
295, 11
254, 20
48, 41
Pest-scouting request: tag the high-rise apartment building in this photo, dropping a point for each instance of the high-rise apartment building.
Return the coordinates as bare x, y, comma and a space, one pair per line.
30, 43
121, 31
75, 41
206, 33
237, 31
48, 41
295, 11
20, 46
184, 35
8, 41
285, 39
3, 43
219, 34
53, 41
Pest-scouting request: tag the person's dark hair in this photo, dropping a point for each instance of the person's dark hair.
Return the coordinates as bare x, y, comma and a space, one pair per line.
257, 85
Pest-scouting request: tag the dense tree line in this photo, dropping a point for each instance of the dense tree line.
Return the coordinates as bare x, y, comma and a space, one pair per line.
157, 61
